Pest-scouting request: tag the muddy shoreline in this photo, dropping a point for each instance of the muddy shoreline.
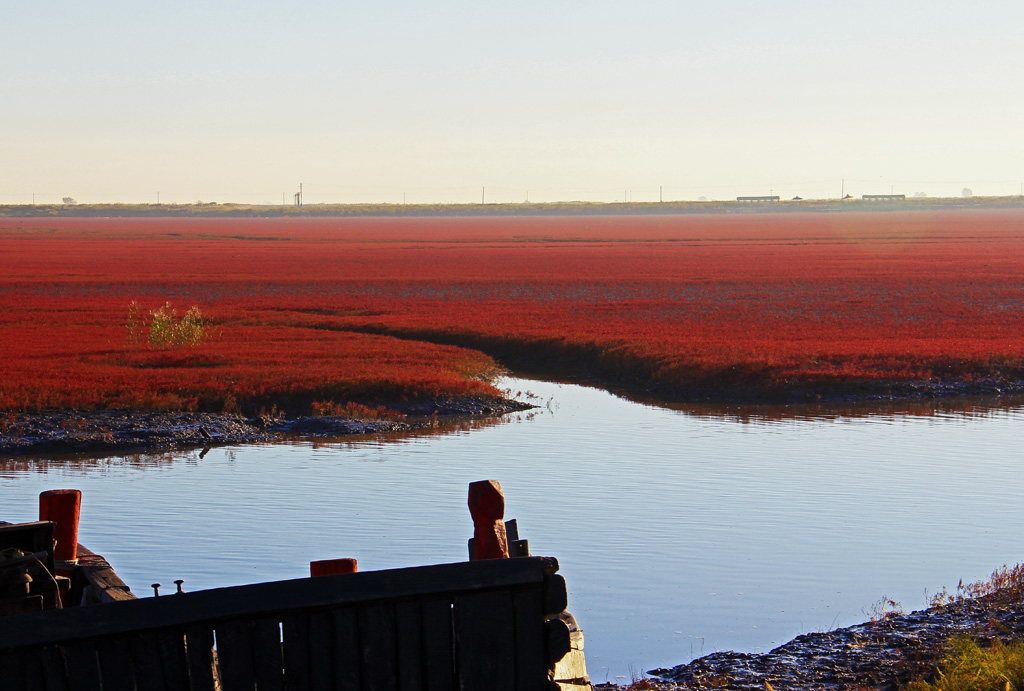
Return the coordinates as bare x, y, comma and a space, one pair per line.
105, 432
127, 431
885, 654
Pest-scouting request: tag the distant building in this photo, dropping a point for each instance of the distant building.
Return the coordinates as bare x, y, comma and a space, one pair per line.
883, 197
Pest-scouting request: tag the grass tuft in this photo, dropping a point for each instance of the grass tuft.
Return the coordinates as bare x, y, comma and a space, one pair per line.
1006, 584
165, 328
967, 666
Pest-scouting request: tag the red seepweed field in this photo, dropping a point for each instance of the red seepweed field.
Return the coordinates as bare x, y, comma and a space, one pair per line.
786, 306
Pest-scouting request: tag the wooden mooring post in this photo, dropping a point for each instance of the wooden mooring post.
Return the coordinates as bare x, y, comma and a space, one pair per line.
496, 538
487, 506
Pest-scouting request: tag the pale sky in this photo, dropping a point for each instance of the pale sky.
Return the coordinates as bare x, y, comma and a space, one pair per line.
556, 100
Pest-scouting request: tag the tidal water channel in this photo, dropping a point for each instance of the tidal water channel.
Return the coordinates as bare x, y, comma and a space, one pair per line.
680, 532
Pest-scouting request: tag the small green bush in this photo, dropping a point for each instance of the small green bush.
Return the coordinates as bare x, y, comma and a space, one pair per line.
165, 328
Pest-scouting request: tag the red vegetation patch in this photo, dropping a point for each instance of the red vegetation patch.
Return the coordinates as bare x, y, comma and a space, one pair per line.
692, 305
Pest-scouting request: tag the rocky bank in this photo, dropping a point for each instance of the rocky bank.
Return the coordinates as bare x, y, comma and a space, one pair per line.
117, 431
884, 654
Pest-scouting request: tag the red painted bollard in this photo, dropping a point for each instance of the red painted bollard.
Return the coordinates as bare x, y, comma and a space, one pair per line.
487, 506
332, 567
62, 506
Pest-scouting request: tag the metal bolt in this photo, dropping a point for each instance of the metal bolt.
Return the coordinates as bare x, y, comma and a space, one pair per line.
156, 589
178, 583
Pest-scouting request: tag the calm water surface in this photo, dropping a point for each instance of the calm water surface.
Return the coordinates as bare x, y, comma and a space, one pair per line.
679, 532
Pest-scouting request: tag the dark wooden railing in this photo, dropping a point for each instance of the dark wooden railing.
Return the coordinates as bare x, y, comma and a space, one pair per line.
494, 624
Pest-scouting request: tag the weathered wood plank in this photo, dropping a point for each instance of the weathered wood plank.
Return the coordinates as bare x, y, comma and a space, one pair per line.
115, 656
409, 639
296, 653
347, 650
173, 660
24, 630
321, 645
559, 640
572, 668
146, 659
438, 646
485, 641
12, 671
379, 648
531, 663
199, 651
100, 582
32, 662
556, 597
83, 666
569, 686
234, 655
54, 674
266, 638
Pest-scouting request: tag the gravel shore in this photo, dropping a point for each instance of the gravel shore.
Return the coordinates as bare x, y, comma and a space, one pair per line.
117, 431
885, 654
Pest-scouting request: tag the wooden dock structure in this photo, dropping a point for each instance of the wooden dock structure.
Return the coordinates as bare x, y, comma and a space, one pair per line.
493, 623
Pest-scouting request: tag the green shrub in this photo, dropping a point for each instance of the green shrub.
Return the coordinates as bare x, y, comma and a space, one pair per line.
165, 328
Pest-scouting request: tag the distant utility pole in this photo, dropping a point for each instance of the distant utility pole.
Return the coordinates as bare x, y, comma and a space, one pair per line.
483, 195
842, 193
661, 193
157, 197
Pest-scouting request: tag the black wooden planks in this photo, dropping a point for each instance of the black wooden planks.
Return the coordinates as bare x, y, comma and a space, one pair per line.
485, 641
438, 645
377, 634
321, 635
83, 666
462, 626
347, 650
409, 640
296, 652
199, 654
115, 656
12, 671
235, 656
531, 661
268, 665
276, 598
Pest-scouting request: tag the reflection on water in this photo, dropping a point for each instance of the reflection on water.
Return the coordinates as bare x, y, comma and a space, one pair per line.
679, 532
965, 407
12, 468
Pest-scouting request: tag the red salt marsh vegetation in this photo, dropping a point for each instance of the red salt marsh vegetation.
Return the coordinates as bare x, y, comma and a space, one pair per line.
323, 311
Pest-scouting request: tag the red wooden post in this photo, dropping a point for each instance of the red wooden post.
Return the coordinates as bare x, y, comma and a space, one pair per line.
487, 506
62, 506
331, 567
